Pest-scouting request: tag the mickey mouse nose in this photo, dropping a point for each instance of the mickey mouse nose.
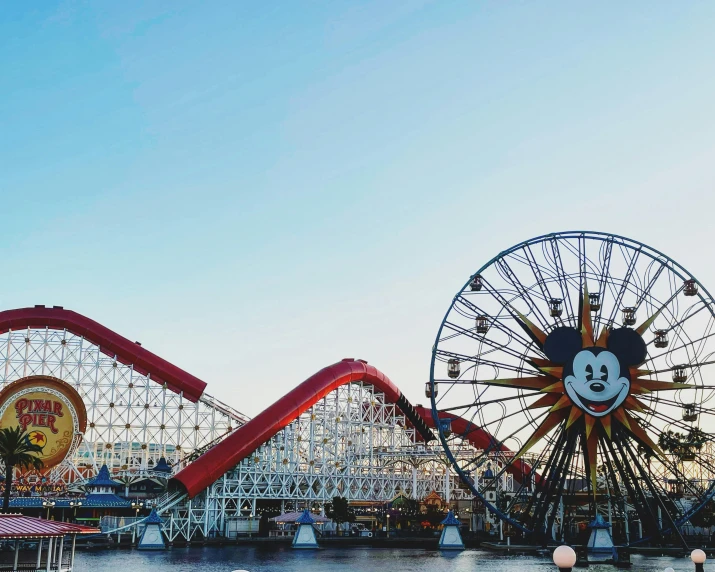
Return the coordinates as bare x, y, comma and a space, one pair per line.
598, 387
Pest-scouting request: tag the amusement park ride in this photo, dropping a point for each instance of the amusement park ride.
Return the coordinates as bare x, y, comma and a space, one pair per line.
591, 352
568, 384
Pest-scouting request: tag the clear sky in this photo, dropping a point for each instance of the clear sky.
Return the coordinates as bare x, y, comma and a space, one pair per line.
255, 190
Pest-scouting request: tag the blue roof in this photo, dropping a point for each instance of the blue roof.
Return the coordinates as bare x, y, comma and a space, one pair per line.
451, 520
162, 466
305, 518
153, 518
90, 501
36, 502
94, 500
103, 479
598, 522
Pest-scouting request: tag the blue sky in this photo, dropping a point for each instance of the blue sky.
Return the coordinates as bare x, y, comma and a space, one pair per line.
256, 190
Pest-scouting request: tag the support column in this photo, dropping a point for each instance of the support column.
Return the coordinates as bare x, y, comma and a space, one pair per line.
59, 557
74, 538
48, 564
17, 553
446, 485
39, 554
414, 483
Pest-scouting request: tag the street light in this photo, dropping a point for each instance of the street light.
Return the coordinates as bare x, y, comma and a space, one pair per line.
698, 557
388, 525
75, 505
564, 558
48, 504
137, 506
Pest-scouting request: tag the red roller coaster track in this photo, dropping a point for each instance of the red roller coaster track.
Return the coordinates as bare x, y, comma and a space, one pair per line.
109, 342
243, 441
247, 438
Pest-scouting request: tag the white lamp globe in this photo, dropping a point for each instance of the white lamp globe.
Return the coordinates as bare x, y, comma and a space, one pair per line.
564, 557
698, 556
668, 569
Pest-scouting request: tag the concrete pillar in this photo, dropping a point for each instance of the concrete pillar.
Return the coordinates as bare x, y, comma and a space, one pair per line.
49, 555
59, 558
446, 485
39, 554
17, 553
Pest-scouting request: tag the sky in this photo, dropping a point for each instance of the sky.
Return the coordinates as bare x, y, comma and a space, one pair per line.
255, 190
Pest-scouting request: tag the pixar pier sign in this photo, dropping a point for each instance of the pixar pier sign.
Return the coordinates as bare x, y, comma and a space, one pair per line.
49, 411
38, 413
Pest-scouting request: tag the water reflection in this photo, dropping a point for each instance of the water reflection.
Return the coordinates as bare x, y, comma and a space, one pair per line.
284, 559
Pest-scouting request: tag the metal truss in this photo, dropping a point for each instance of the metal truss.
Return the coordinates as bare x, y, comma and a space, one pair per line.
352, 443
132, 421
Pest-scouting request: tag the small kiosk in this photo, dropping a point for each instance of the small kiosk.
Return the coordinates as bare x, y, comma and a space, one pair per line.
600, 544
152, 538
451, 538
305, 535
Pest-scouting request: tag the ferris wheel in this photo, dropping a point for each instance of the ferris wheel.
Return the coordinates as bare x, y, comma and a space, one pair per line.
584, 357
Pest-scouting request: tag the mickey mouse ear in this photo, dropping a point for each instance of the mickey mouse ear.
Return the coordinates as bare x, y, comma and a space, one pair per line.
562, 344
627, 345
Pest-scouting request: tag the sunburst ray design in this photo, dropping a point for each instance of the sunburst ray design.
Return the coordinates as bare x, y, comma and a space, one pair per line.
563, 412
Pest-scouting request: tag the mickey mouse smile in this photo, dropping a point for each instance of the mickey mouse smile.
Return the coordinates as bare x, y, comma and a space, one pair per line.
598, 407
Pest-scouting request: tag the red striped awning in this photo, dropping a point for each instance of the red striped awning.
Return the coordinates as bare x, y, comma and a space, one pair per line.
20, 526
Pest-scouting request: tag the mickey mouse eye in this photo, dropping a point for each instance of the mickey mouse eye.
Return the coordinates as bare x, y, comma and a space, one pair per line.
589, 372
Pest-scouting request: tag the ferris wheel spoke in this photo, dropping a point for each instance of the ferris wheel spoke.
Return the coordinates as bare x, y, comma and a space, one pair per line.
524, 294
527, 344
499, 442
536, 269
480, 404
624, 285
491, 363
605, 268
649, 288
690, 366
682, 346
483, 339
653, 488
528, 481
563, 278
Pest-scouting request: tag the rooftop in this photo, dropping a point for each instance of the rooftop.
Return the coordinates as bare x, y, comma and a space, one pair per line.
20, 526
103, 479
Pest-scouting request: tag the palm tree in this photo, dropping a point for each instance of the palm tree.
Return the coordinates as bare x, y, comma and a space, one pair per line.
16, 451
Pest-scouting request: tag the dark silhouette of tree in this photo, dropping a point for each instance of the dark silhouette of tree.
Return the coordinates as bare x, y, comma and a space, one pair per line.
339, 510
16, 451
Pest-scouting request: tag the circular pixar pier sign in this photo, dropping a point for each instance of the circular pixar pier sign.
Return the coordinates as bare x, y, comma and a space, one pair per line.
49, 410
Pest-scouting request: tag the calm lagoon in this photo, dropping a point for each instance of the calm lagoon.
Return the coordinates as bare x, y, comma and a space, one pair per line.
284, 559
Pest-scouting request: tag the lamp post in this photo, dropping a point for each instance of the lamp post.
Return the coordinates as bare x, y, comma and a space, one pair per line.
564, 558
137, 506
698, 557
75, 505
48, 505
388, 525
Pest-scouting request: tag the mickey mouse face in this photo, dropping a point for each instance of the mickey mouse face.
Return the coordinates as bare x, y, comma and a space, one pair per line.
597, 385
597, 380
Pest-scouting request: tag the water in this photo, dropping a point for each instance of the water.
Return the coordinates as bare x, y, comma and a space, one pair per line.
358, 559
